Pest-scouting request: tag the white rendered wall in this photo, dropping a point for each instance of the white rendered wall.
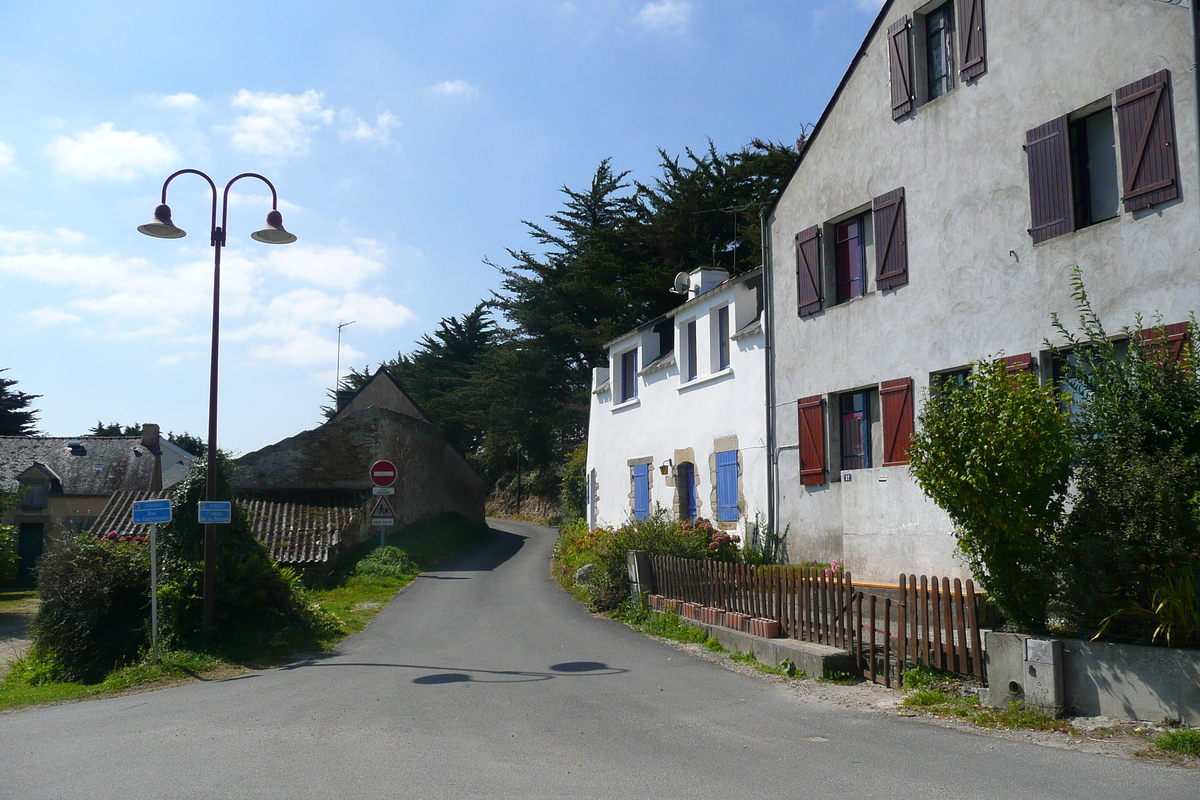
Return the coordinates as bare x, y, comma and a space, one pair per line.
671, 416
977, 286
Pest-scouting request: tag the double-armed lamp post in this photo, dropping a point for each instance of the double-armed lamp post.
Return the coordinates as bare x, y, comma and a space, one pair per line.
161, 227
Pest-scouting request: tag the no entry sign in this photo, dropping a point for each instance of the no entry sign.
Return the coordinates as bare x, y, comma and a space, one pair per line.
383, 473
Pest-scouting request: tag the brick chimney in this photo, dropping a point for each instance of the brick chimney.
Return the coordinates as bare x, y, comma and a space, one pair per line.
150, 440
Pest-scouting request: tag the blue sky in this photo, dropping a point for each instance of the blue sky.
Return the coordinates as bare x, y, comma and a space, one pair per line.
407, 142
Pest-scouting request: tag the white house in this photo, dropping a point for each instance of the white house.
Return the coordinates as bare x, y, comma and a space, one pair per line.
677, 420
975, 152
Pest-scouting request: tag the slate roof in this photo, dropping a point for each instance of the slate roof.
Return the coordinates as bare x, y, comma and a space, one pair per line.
293, 533
102, 465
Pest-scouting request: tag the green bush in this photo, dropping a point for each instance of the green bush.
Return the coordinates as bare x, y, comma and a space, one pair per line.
388, 562
995, 453
95, 607
8, 553
572, 498
257, 602
1132, 539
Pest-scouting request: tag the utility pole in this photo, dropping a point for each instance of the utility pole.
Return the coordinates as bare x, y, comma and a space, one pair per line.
337, 371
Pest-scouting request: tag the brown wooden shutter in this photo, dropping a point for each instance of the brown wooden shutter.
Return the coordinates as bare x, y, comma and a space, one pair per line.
1149, 165
1051, 196
808, 270
1018, 363
1172, 337
812, 440
900, 60
891, 239
972, 46
896, 397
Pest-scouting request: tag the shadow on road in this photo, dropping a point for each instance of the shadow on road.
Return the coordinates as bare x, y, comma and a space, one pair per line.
440, 675
498, 548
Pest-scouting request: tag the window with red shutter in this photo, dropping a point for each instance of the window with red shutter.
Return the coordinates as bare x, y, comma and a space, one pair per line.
891, 240
812, 440
972, 46
900, 63
1018, 363
1051, 195
1147, 130
896, 398
1172, 337
808, 270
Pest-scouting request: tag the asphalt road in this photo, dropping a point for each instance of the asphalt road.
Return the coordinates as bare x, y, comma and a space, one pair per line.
484, 679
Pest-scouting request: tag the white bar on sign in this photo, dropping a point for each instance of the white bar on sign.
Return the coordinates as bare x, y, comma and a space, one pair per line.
383, 521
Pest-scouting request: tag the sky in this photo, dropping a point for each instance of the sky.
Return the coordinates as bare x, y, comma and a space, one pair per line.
407, 141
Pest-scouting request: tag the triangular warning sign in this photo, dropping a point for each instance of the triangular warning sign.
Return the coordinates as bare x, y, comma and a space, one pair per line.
383, 508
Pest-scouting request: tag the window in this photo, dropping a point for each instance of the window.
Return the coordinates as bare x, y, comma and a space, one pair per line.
685, 482
850, 259
809, 296
34, 497
640, 474
896, 407
939, 53
629, 369
1094, 168
856, 430
950, 379
812, 440
691, 351
727, 486
722, 338
1149, 159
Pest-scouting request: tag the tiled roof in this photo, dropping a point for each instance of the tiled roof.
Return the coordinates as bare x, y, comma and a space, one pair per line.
101, 465
293, 533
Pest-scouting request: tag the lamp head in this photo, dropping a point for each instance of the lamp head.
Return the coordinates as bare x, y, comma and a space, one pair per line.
161, 227
273, 232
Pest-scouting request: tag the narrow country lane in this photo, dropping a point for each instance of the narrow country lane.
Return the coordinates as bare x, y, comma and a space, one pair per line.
484, 679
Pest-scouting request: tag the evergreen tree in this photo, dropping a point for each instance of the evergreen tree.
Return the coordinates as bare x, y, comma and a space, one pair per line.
16, 417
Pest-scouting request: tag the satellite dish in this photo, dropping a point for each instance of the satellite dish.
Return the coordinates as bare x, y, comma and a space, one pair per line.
682, 283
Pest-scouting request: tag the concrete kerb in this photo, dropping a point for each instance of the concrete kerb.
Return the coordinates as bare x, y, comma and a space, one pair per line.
815, 660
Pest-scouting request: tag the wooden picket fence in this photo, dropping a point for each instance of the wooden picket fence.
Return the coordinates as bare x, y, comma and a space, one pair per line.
934, 622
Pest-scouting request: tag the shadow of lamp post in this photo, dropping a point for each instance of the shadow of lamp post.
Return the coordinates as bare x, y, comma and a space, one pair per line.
161, 227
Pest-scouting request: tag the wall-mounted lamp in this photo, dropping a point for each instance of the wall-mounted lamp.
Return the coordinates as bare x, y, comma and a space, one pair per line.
666, 466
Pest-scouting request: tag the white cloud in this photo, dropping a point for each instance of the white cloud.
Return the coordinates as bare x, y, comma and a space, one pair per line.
330, 267
277, 124
456, 88
6, 156
49, 317
14, 241
105, 152
185, 101
259, 201
668, 16
362, 132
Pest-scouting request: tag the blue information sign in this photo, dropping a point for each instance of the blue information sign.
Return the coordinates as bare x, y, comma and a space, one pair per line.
147, 512
215, 512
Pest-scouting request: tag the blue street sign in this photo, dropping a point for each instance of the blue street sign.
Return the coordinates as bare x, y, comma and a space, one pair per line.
215, 511
147, 512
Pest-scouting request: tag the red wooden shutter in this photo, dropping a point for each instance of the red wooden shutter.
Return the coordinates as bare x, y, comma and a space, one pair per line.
891, 240
900, 61
808, 270
1172, 337
1019, 363
896, 397
812, 440
972, 46
1051, 196
1149, 165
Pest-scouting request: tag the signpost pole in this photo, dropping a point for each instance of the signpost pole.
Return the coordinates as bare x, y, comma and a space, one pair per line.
154, 591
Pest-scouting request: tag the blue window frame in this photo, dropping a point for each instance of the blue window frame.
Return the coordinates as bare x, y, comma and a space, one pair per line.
856, 431
685, 479
641, 491
727, 486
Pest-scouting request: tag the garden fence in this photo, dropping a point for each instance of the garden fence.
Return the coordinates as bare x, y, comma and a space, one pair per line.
933, 622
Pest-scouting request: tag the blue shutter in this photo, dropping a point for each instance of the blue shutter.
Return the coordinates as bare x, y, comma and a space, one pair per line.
641, 491
727, 486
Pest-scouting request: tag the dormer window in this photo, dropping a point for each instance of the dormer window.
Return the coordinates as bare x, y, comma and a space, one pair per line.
33, 497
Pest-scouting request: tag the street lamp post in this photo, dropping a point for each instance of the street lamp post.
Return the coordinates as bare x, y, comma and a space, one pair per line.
161, 227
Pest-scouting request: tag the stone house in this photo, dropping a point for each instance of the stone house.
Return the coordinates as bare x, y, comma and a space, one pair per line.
676, 418
973, 155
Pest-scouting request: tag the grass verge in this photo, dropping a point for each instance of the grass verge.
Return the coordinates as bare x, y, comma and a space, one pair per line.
1179, 742
366, 579
941, 693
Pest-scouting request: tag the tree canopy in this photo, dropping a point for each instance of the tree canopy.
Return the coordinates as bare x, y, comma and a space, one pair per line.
16, 416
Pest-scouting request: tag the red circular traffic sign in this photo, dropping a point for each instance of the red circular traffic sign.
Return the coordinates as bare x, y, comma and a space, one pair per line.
383, 473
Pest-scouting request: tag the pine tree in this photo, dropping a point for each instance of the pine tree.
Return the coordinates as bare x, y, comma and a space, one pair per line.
16, 417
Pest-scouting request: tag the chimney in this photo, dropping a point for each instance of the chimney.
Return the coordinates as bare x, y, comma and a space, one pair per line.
344, 396
150, 440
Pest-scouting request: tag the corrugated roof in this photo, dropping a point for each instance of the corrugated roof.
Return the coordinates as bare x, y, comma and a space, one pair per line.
293, 533
101, 465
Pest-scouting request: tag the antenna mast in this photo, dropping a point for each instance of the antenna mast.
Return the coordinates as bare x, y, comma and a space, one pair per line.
337, 371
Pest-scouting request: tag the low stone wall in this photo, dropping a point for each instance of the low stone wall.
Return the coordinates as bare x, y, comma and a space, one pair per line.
1089, 679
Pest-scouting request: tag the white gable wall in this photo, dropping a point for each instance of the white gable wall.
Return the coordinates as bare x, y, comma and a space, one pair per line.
977, 286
